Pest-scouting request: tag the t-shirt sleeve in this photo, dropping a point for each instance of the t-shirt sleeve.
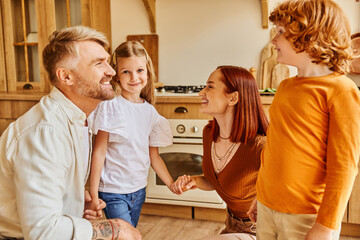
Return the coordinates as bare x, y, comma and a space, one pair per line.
109, 117
161, 134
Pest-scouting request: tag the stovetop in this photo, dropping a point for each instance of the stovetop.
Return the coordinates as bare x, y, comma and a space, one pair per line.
179, 90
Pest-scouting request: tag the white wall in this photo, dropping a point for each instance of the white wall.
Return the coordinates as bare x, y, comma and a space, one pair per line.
195, 36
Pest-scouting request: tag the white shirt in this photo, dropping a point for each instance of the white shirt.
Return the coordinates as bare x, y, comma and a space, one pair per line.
132, 127
42, 174
86, 140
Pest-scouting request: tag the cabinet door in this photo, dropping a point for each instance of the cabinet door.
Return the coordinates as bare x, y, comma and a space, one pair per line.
26, 29
181, 111
27, 24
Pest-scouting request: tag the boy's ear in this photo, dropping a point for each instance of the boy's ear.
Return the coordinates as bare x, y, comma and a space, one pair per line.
234, 98
64, 76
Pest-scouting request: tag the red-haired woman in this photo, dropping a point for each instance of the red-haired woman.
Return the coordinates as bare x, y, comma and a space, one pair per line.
232, 145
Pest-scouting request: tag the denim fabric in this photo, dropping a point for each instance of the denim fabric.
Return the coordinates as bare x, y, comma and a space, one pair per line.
124, 206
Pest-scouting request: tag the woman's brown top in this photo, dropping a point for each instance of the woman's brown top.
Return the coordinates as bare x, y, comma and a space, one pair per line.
235, 184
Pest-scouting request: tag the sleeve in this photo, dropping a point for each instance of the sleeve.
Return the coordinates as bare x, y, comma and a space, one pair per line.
342, 157
109, 117
40, 173
161, 134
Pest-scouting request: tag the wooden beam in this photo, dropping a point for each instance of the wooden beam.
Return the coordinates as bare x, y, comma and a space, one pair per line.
96, 14
150, 9
265, 13
46, 25
3, 85
11, 74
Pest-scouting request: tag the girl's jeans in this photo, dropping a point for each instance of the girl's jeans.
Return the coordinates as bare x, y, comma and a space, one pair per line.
124, 206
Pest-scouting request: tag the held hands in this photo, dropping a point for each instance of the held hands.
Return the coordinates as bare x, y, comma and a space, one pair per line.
184, 183
319, 232
93, 208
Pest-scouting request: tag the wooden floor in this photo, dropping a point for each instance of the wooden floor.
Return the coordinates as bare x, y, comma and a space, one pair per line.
169, 228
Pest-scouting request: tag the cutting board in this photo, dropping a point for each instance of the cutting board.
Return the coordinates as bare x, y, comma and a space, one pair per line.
151, 44
279, 73
268, 66
267, 62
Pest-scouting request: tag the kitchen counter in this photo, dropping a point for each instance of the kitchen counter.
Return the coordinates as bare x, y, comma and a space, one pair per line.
266, 100
26, 96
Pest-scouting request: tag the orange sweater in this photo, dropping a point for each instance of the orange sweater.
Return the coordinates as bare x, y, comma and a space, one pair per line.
235, 184
309, 163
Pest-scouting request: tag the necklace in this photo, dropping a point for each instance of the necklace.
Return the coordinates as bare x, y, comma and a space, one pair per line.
224, 138
217, 159
226, 154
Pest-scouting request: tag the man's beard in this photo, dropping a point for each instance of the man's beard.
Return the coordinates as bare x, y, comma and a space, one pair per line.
93, 90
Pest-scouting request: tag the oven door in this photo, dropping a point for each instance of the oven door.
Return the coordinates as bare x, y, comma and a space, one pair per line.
180, 159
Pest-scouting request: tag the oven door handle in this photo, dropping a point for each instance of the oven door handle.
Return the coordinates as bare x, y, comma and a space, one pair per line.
181, 110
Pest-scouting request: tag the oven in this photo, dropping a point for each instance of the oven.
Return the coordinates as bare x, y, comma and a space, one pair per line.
183, 157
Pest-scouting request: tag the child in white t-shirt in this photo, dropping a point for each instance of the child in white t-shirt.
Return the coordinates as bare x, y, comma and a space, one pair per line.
129, 131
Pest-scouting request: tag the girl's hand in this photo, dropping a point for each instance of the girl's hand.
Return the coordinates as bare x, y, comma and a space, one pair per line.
93, 207
184, 183
174, 189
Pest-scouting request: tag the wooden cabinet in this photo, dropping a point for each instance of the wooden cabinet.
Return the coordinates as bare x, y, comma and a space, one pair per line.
13, 106
180, 107
188, 107
26, 26
351, 220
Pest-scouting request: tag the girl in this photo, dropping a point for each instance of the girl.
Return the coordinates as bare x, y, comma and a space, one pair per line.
129, 131
232, 144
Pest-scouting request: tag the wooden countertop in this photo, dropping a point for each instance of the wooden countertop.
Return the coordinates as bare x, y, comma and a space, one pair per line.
28, 96
197, 99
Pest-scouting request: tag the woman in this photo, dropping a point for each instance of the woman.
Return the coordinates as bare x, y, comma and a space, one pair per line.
232, 144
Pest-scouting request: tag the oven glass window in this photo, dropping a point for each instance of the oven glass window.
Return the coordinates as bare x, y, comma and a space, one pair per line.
179, 164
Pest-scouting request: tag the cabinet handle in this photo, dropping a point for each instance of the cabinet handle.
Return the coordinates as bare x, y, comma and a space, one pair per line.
181, 110
27, 86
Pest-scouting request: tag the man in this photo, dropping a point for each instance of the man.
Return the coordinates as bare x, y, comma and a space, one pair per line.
42, 167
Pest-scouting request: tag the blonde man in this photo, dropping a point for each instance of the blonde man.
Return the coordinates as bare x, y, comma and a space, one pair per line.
43, 171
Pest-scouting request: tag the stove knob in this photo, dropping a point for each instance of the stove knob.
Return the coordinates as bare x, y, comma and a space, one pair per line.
195, 129
180, 128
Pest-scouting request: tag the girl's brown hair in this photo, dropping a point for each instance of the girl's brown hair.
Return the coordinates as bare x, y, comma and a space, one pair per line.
249, 116
135, 49
319, 28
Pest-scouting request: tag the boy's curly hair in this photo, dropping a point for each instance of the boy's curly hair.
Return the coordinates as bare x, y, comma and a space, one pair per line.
319, 28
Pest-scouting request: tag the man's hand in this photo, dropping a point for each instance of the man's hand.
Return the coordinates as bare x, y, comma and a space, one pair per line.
116, 229
319, 232
252, 213
91, 212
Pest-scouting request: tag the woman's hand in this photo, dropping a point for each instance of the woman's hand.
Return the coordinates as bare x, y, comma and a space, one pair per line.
319, 232
184, 183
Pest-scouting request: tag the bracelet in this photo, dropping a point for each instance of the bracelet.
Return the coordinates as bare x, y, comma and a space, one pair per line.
112, 227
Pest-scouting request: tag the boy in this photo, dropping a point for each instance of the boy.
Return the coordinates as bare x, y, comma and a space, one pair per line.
310, 159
